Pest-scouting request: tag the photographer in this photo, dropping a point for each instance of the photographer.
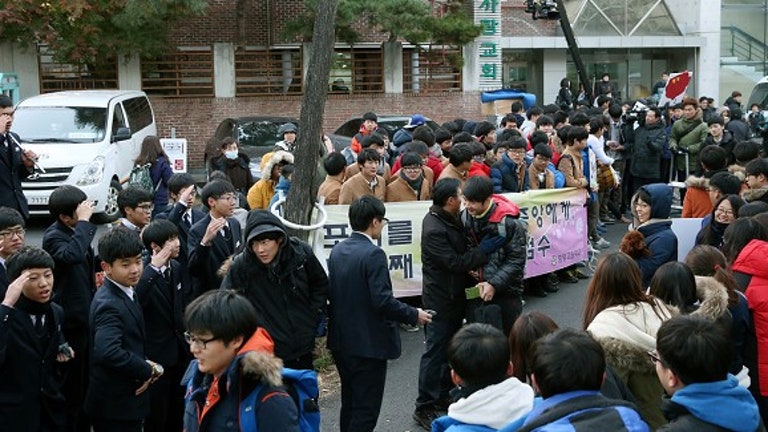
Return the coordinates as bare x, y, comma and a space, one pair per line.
645, 150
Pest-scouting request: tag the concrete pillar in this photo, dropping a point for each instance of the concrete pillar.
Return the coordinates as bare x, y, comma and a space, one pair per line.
23, 62
224, 70
470, 73
306, 53
287, 70
707, 72
129, 72
553, 70
393, 67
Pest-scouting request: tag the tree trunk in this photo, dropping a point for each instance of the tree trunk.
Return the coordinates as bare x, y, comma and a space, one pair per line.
301, 199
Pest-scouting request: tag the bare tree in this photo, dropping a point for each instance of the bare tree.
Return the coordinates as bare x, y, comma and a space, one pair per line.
300, 202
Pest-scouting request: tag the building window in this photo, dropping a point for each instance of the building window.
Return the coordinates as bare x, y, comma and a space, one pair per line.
621, 18
262, 72
357, 70
431, 68
182, 73
55, 76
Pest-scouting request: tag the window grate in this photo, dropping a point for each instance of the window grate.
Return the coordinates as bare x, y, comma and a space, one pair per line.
357, 71
56, 76
439, 69
263, 72
183, 73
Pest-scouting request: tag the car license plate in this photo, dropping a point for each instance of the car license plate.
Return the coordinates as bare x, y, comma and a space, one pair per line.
38, 201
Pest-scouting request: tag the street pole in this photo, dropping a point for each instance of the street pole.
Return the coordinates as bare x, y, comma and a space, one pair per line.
573, 47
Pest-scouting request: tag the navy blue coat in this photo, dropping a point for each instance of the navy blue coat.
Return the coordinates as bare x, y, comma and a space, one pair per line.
205, 261
30, 377
504, 176
659, 237
174, 213
74, 278
162, 303
118, 362
363, 314
12, 172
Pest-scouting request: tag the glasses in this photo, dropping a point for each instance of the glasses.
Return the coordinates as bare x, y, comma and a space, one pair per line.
7, 235
724, 211
230, 198
654, 357
413, 169
146, 207
384, 220
196, 341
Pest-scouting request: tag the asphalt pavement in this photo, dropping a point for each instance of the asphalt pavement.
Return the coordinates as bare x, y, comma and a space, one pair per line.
565, 307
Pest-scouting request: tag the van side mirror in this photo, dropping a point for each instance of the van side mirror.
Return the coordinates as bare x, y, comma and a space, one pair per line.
122, 134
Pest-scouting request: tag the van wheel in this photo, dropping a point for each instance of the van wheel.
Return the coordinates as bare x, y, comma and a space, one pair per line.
111, 211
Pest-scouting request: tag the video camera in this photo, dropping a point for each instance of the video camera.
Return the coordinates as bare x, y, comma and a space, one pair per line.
636, 113
542, 9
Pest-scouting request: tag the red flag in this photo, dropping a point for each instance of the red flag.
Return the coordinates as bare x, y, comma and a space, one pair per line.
675, 89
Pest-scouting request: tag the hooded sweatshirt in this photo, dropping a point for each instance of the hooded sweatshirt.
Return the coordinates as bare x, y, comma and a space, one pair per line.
659, 237
721, 403
494, 406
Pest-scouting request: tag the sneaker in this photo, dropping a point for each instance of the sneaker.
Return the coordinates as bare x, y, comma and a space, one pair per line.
409, 328
607, 219
579, 273
626, 220
601, 243
551, 288
567, 276
425, 416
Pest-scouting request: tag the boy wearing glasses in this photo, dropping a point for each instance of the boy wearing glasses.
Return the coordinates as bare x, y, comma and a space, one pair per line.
162, 301
215, 237
233, 358
120, 373
692, 358
68, 241
11, 240
136, 207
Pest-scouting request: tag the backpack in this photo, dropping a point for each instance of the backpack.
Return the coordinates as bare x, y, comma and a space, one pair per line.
303, 388
141, 178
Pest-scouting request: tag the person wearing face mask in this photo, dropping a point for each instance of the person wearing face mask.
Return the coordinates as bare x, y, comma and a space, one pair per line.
235, 165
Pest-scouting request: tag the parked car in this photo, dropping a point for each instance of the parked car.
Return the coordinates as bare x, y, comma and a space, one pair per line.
256, 136
388, 122
88, 139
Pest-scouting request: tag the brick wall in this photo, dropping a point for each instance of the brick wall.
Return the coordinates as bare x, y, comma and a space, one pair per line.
515, 22
196, 119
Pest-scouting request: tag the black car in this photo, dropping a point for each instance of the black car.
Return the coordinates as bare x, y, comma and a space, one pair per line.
255, 135
390, 123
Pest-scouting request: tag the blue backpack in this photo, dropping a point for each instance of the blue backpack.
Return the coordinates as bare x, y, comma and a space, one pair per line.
301, 384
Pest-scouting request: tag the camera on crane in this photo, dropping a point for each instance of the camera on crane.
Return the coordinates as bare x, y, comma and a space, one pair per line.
542, 9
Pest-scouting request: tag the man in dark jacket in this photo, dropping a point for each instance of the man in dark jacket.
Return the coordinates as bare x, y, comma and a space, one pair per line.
645, 148
286, 284
500, 281
68, 241
510, 173
447, 260
16, 163
737, 126
720, 136
362, 316
692, 358
571, 389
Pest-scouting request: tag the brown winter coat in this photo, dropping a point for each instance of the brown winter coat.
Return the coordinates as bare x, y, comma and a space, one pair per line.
450, 171
330, 189
696, 203
399, 190
358, 186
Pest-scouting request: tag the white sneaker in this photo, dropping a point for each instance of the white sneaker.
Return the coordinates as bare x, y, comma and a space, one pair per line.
601, 243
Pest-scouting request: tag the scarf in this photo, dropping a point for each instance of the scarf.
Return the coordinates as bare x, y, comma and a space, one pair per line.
414, 184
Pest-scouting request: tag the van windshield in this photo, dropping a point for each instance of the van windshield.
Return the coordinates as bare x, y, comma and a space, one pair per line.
60, 124
759, 96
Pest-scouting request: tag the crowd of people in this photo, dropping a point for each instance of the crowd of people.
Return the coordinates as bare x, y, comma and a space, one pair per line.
193, 308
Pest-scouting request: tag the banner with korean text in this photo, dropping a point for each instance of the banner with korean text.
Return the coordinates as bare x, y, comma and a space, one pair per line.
557, 227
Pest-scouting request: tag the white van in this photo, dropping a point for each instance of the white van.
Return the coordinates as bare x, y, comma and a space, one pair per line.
88, 139
759, 96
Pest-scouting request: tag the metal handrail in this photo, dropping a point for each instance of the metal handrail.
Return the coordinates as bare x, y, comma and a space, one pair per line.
744, 46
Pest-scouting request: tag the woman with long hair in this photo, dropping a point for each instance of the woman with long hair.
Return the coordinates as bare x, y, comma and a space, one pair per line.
724, 212
152, 153
674, 284
530, 327
720, 300
624, 320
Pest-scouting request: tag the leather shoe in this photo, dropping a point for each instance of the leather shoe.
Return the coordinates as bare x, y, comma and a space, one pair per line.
425, 416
